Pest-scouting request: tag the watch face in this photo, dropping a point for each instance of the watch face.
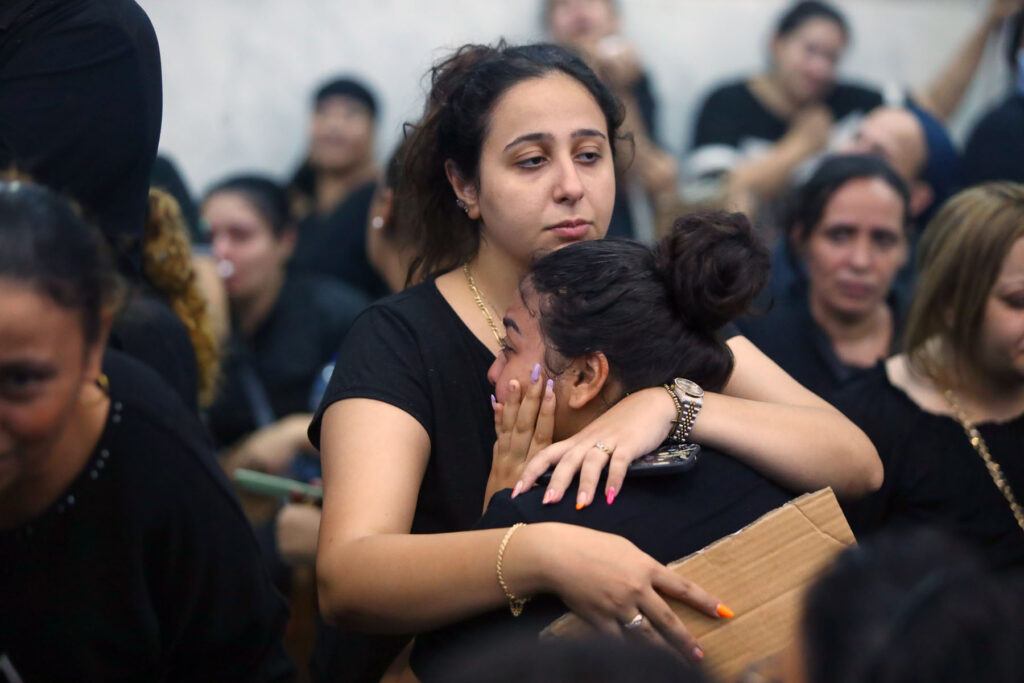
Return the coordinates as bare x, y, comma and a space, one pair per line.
689, 387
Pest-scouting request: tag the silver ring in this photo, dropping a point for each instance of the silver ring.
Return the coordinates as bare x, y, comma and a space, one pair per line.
607, 451
635, 622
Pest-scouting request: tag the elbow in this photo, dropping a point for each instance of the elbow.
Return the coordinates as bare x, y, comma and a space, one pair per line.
335, 605
868, 474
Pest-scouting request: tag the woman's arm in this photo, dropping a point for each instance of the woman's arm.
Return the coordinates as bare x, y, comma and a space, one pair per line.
375, 576
763, 417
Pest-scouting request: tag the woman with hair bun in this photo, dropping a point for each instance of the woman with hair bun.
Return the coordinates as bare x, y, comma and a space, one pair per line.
497, 177
602, 319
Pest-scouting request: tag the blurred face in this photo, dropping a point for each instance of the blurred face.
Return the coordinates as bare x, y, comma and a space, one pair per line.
580, 23
1002, 332
895, 135
806, 58
341, 134
244, 245
523, 349
44, 364
546, 177
856, 249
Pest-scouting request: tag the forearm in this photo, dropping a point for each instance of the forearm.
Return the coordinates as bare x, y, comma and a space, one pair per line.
801, 447
944, 94
408, 583
767, 174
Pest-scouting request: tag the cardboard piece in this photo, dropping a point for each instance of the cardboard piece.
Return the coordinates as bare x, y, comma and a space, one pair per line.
761, 572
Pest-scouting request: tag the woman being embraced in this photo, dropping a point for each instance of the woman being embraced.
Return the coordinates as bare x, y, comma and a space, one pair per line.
496, 176
601, 319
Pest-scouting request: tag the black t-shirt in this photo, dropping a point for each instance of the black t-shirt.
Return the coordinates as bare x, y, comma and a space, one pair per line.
668, 517
933, 475
301, 335
145, 568
790, 336
995, 150
335, 244
734, 125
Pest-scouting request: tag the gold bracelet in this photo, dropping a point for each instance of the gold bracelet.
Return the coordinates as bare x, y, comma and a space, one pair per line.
515, 604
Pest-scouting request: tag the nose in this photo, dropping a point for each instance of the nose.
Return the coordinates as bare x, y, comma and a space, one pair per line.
860, 254
568, 184
219, 246
494, 372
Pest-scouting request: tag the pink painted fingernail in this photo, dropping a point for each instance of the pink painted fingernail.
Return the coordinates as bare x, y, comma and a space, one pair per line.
698, 653
610, 496
548, 495
535, 375
517, 489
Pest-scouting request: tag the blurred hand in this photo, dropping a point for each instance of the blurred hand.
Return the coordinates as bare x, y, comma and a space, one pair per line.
272, 448
297, 529
615, 60
811, 128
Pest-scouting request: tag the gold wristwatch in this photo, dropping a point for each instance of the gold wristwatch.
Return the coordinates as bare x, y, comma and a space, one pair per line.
689, 399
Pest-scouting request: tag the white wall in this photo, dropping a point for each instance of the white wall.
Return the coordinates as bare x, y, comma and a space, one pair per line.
238, 73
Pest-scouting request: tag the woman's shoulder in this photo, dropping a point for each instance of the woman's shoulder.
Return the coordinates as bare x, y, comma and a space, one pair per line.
727, 94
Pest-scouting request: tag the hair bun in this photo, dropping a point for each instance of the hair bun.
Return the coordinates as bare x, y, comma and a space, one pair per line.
713, 265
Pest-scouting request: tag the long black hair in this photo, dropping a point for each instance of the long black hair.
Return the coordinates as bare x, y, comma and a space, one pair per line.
464, 90
265, 196
47, 246
654, 313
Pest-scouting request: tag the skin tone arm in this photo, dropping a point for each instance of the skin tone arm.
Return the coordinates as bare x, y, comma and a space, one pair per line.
272, 448
763, 417
943, 95
375, 576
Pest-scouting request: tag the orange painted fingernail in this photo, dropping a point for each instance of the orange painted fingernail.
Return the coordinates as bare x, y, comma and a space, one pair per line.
698, 653
581, 501
724, 611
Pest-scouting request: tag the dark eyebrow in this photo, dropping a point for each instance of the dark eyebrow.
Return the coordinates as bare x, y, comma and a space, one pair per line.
588, 133
510, 324
529, 137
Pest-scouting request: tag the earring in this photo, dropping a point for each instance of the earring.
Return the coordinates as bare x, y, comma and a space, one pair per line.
462, 205
377, 223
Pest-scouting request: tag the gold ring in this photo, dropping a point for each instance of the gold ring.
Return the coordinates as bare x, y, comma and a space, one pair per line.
601, 447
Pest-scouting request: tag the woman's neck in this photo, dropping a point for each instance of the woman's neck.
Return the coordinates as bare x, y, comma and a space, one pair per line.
860, 341
249, 313
67, 456
333, 186
769, 91
497, 275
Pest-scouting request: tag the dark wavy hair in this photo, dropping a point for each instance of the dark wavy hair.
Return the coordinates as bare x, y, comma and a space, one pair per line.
47, 246
654, 313
464, 90
269, 199
801, 12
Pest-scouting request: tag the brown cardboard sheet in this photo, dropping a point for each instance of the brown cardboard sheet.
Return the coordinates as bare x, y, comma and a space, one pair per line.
761, 573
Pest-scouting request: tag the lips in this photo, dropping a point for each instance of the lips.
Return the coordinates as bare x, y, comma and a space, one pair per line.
855, 290
572, 229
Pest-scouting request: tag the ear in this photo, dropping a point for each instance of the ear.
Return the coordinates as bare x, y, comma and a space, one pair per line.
585, 379
94, 355
386, 200
286, 242
464, 190
921, 197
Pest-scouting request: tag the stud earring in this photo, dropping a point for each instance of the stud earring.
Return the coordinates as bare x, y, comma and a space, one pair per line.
462, 205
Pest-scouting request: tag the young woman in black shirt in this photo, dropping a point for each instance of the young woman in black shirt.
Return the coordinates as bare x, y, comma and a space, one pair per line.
125, 553
498, 176
947, 415
849, 238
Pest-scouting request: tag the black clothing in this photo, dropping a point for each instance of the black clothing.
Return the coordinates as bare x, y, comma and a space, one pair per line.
284, 356
733, 124
145, 568
621, 224
668, 517
335, 244
995, 149
933, 475
80, 106
412, 350
148, 330
790, 336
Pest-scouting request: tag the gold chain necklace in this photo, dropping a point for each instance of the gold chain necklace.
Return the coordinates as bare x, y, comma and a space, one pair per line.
994, 470
478, 297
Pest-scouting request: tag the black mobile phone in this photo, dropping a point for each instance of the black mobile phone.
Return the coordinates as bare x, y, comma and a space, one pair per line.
668, 459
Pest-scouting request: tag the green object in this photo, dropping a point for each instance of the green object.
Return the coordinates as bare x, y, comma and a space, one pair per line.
270, 485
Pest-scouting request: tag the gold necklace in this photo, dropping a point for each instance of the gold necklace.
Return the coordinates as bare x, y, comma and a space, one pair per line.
478, 297
994, 470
